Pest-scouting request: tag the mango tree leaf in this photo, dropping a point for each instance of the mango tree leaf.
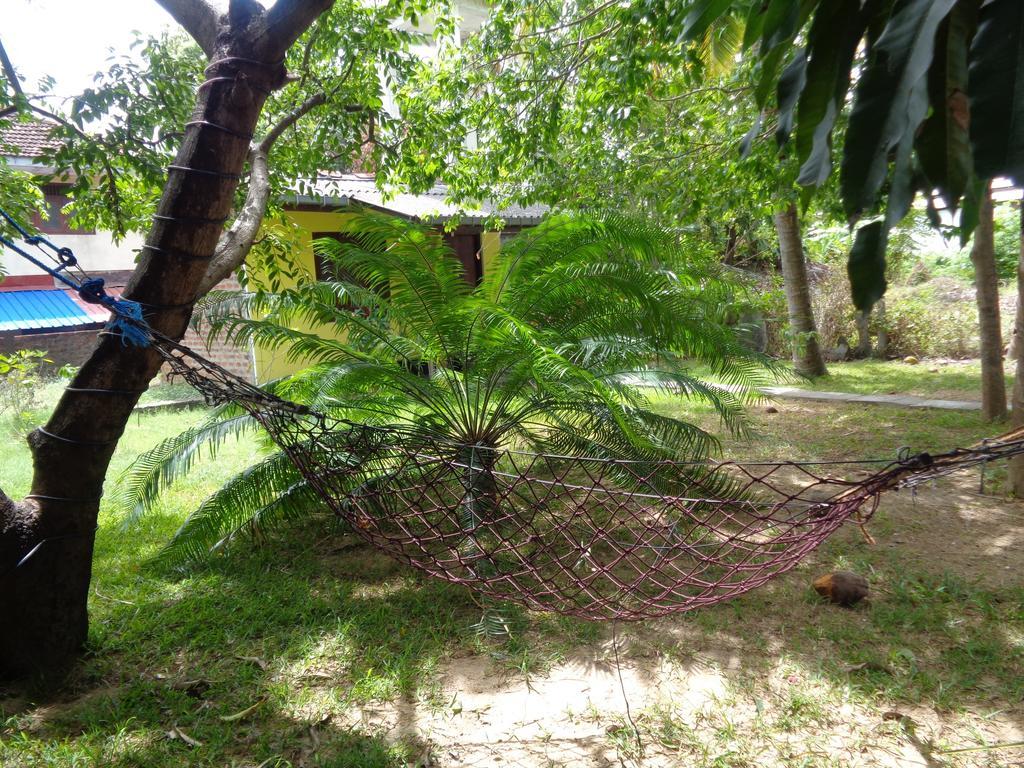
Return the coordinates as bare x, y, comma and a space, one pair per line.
832, 41
769, 66
754, 25
943, 146
701, 16
970, 214
781, 21
903, 186
747, 142
997, 91
880, 117
790, 85
866, 267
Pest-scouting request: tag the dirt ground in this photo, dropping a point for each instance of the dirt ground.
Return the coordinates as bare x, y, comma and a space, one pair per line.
721, 698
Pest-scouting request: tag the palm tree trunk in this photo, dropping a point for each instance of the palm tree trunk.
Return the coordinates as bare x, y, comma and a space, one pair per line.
986, 282
46, 540
807, 355
1016, 470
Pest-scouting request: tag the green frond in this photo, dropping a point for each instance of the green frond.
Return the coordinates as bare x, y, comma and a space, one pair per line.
139, 486
577, 324
263, 498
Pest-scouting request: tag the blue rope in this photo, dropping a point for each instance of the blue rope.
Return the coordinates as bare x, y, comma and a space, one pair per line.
126, 319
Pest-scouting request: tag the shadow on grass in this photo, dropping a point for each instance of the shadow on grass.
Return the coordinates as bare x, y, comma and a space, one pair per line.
260, 655
288, 636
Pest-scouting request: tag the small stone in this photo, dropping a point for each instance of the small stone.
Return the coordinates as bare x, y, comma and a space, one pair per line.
933, 370
911, 360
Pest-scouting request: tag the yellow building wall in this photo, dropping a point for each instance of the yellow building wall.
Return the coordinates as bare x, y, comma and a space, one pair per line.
273, 364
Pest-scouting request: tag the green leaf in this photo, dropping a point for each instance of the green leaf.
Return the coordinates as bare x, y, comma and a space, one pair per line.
866, 265
832, 42
769, 73
702, 15
790, 85
903, 186
781, 20
880, 116
747, 142
970, 214
943, 146
996, 84
754, 25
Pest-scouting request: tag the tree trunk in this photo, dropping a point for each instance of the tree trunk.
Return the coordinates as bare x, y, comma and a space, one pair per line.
882, 344
1016, 470
986, 282
863, 348
46, 540
807, 355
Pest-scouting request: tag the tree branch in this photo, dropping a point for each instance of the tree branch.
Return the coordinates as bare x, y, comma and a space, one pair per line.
237, 241
9, 73
199, 19
288, 19
12, 77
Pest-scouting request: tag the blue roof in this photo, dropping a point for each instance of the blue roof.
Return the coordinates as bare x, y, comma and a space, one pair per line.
40, 310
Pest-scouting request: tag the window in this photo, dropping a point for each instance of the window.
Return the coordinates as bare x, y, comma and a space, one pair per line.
467, 250
326, 270
56, 222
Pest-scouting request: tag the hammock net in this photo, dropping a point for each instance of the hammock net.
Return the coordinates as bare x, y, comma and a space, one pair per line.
593, 538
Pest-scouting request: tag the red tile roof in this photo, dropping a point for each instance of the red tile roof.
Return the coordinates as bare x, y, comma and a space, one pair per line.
29, 139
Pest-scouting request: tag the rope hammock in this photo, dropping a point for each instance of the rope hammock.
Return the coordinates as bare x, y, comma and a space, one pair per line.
593, 538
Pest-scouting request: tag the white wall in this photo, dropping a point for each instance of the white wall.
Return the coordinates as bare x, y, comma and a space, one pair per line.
96, 253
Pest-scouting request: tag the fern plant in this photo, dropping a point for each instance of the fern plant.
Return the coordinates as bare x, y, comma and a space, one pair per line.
575, 324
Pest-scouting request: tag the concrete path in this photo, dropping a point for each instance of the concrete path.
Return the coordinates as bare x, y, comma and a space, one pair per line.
906, 401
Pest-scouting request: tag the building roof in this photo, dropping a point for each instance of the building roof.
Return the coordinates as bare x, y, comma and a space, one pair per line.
35, 311
341, 190
29, 139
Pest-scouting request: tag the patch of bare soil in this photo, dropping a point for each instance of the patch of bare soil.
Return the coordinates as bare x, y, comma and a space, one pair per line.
949, 526
689, 714
733, 694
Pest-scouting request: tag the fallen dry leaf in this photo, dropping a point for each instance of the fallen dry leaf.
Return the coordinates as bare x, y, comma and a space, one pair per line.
244, 713
177, 733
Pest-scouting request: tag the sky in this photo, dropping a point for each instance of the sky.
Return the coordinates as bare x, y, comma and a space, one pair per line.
70, 39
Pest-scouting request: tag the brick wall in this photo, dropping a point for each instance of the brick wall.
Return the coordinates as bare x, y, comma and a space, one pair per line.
74, 347
237, 360
68, 348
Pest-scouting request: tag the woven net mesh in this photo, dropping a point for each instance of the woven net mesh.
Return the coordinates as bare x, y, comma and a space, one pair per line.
595, 538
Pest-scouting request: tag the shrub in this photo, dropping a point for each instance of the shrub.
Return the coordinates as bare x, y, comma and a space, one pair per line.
20, 387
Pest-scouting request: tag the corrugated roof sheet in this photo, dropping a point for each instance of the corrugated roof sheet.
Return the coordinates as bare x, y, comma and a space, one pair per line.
29, 311
341, 189
28, 139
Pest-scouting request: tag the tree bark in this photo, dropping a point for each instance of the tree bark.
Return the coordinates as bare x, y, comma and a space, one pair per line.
882, 344
46, 540
986, 283
807, 354
863, 348
1016, 470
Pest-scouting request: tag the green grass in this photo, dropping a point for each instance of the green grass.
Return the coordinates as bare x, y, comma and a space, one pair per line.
957, 379
298, 632
940, 379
